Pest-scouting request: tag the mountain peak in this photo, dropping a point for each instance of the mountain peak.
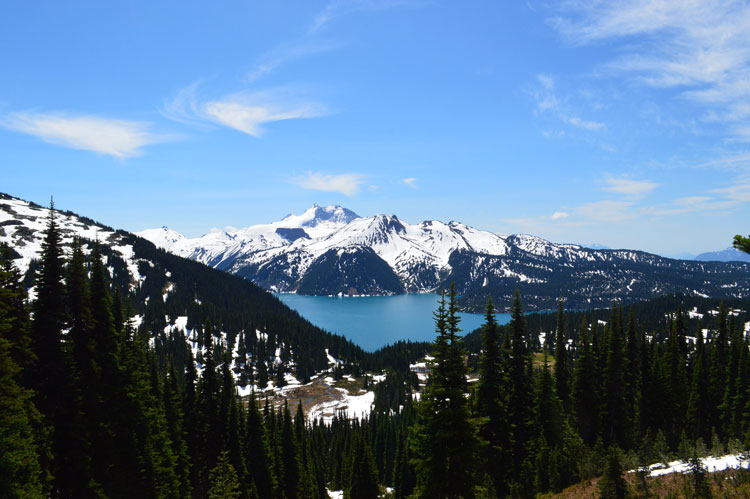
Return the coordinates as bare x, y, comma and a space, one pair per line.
317, 214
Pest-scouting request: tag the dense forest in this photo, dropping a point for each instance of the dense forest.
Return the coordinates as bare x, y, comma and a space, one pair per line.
93, 406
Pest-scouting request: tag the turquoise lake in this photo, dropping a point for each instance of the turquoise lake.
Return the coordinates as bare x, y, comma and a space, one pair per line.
376, 321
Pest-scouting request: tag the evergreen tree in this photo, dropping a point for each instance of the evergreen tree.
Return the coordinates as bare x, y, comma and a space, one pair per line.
141, 460
701, 489
646, 402
615, 421
307, 486
612, 485
698, 411
548, 423
674, 379
492, 404
718, 370
633, 376
257, 452
13, 299
739, 400
584, 391
445, 437
53, 379
21, 475
175, 425
189, 413
404, 479
520, 399
208, 424
224, 483
562, 364
290, 457
742, 243
362, 482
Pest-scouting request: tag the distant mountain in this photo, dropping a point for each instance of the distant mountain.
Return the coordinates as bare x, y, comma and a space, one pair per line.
728, 255
682, 255
331, 250
594, 246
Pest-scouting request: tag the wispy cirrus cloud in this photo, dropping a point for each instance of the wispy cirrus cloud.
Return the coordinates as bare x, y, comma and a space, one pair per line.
112, 137
410, 181
629, 187
344, 183
610, 211
548, 102
560, 215
698, 47
246, 112
285, 53
738, 192
691, 204
340, 8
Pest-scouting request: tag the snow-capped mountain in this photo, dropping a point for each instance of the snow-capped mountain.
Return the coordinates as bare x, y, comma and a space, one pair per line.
331, 250
278, 255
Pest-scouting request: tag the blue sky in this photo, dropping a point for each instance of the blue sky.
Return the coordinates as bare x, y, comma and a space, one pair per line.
619, 123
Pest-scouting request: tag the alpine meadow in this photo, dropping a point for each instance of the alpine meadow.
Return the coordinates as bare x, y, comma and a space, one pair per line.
355, 249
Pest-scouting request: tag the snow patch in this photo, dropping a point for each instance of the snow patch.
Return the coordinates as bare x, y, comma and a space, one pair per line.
712, 464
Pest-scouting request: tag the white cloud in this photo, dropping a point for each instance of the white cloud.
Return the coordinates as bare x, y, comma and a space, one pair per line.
560, 215
607, 211
246, 112
249, 111
339, 8
691, 204
548, 102
285, 53
585, 124
345, 183
699, 47
739, 192
410, 181
118, 138
630, 187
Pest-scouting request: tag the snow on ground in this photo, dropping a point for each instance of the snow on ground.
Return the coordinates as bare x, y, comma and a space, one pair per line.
336, 494
421, 369
711, 463
332, 360
167, 290
353, 406
694, 314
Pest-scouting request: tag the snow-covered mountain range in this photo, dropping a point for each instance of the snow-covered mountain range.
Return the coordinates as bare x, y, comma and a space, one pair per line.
280, 255
329, 250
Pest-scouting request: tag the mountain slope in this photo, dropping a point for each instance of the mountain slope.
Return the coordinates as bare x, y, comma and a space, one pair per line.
174, 297
288, 256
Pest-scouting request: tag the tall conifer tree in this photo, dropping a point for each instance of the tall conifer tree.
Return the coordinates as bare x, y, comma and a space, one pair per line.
492, 404
444, 436
698, 411
520, 399
584, 393
562, 363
